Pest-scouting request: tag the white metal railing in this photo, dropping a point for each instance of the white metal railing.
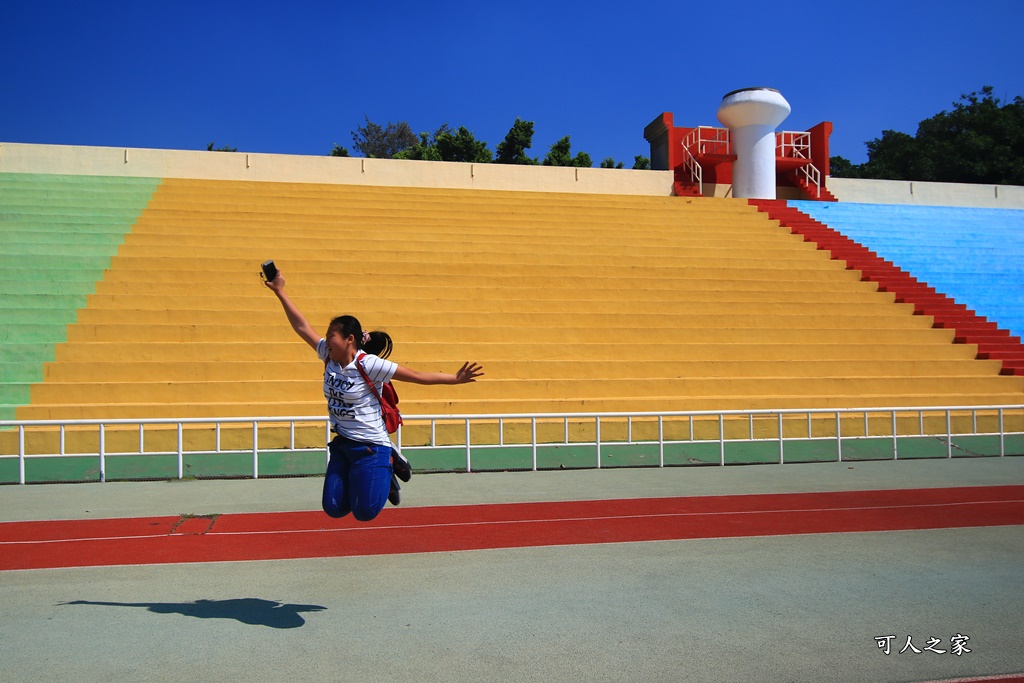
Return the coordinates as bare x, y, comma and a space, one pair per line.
708, 140
724, 427
797, 145
703, 140
696, 172
793, 144
813, 176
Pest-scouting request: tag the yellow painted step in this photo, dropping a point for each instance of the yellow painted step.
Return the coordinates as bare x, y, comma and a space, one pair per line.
535, 369
267, 310
651, 403
420, 352
304, 281
411, 293
560, 336
314, 248
272, 391
811, 272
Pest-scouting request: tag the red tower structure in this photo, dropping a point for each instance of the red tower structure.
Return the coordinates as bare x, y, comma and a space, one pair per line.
702, 156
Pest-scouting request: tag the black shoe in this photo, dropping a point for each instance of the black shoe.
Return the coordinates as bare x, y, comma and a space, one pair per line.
400, 465
395, 495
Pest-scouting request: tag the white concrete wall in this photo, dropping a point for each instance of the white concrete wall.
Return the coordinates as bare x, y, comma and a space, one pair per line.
161, 163
860, 191
156, 163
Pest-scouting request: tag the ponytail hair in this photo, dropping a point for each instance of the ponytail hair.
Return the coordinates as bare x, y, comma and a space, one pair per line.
379, 344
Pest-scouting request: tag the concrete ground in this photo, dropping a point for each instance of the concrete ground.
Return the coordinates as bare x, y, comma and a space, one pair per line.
770, 608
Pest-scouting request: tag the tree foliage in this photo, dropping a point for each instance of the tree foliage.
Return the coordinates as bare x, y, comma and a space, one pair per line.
512, 150
462, 146
397, 141
225, 148
383, 142
979, 141
448, 145
561, 155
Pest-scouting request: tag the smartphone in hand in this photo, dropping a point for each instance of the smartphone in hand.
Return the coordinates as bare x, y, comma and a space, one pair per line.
269, 270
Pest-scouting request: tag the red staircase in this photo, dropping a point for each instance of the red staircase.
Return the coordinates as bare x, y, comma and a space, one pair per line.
994, 343
812, 191
683, 185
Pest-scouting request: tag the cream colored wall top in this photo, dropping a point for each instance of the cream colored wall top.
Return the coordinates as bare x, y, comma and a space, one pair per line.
158, 163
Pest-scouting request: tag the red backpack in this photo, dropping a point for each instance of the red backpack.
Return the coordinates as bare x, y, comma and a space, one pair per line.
388, 399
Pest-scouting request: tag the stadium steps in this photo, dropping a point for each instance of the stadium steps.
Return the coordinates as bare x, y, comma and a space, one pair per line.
571, 302
57, 236
993, 341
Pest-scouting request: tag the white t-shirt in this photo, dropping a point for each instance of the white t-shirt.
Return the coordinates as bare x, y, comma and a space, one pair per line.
354, 410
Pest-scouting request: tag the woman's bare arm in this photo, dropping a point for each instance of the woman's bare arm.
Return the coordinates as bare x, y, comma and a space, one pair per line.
295, 317
467, 373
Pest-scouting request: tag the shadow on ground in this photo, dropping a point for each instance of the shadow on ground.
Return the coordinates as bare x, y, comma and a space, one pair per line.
253, 611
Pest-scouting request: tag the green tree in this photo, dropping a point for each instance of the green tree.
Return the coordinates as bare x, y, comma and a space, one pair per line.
339, 151
383, 142
893, 156
841, 167
641, 163
225, 148
979, 141
561, 155
608, 162
448, 145
423, 150
462, 146
512, 150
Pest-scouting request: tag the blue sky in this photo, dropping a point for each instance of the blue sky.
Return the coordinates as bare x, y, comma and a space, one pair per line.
295, 78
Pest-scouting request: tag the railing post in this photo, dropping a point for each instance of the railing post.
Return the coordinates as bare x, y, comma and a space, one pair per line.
103, 455
181, 452
949, 435
721, 440
1002, 436
839, 435
895, 441
533, 439
469, 454
255, 449
21, 454
661, 441
782, 442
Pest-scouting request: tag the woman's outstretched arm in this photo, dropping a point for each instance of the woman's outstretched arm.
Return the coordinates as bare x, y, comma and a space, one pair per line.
467, 373
295, 317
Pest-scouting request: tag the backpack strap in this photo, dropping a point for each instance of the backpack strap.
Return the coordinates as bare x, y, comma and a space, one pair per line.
359, 366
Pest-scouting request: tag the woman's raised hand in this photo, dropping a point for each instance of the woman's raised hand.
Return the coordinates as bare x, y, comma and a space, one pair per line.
277, 284
468, 373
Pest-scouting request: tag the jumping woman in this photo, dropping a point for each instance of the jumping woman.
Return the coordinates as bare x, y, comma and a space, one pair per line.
360, 471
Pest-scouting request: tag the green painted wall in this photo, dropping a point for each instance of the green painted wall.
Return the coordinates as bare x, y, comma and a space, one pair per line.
57, 236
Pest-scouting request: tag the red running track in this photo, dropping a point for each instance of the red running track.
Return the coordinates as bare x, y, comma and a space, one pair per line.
291, 535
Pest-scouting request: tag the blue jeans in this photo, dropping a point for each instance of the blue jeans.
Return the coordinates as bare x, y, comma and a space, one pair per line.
358, 479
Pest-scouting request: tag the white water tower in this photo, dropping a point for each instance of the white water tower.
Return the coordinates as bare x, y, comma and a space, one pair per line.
751, 115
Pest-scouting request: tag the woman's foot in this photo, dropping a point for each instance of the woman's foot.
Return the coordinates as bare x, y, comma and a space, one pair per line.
400, 465
395, 495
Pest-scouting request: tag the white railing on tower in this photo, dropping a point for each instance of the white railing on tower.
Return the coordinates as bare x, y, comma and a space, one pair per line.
793, 144
708, 140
